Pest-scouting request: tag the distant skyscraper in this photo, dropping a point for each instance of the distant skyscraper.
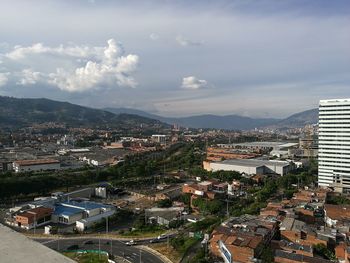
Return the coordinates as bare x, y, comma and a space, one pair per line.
334, 144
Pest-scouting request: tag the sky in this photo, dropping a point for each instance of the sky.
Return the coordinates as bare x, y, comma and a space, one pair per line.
266, 58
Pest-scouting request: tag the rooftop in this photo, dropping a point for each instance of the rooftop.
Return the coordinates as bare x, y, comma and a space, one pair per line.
36, 162
84, 205
299, 257
334, 101
66, 210
338, 212
265, 144
292, 224
36, 212
254, 162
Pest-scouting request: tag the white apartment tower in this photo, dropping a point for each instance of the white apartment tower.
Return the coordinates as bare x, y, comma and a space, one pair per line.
334, 144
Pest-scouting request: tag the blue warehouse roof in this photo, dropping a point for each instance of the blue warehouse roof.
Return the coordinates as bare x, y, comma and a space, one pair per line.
66, 210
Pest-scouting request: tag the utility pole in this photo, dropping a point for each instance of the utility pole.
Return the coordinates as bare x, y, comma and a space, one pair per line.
145, 217
140, 256
34, 223
99, 247
107, 225
227, 212
111, 247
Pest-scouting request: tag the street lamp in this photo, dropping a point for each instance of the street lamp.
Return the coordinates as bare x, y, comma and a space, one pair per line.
34, 223
111, 247
99, 246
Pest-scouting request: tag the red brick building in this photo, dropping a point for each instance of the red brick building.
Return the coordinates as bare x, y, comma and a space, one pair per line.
34, 217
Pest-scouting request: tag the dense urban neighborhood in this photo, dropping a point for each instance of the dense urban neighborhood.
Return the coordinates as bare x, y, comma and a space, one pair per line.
182, 195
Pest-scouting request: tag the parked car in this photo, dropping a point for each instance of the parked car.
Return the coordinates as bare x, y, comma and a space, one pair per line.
89, 242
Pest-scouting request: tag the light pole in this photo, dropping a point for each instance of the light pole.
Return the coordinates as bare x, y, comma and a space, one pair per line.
111, 247
140, 256
34, 223
99, 247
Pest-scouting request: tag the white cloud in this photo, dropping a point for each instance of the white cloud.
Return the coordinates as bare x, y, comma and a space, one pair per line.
74, 68
182, 41
111, 69
154, 36
4, 78
193, 83
29, 77
20, 52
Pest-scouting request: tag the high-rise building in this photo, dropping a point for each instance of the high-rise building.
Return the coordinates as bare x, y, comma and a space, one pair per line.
334, 144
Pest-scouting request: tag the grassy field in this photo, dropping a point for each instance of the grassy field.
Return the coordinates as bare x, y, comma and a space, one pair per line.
167, 251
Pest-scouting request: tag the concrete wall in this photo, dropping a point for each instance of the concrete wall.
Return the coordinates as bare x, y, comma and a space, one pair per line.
71, 219
88, 222
239, 168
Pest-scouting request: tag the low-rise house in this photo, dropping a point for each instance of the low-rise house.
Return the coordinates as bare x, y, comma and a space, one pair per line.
282, 256
203, 189
342, 252
309, 196
292, 247
163, 216
273, 210
296, 231
34, 217
337, 215
242, 239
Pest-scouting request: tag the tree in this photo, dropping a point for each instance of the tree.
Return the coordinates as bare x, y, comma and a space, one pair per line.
321, 250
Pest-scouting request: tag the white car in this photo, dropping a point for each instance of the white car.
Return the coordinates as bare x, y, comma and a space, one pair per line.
131, 243
162, 236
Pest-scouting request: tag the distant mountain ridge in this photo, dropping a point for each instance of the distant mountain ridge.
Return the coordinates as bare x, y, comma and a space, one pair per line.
15, 112
299, 119
231, 122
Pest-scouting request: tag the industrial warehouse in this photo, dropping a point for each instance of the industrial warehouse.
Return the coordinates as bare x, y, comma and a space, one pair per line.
63, 209
250, 166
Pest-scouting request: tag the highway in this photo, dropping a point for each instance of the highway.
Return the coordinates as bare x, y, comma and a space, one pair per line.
114, 247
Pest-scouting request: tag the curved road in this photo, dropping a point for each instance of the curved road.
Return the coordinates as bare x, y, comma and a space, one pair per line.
114, 247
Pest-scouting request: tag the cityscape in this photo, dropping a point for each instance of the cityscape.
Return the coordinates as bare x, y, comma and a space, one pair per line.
166, 151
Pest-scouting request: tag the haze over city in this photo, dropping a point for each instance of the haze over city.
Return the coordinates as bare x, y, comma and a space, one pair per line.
177, 58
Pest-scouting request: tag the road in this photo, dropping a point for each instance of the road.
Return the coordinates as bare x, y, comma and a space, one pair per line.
115, 247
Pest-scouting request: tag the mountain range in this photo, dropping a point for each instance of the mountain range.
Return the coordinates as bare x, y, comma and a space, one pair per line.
15, 112
232, 122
